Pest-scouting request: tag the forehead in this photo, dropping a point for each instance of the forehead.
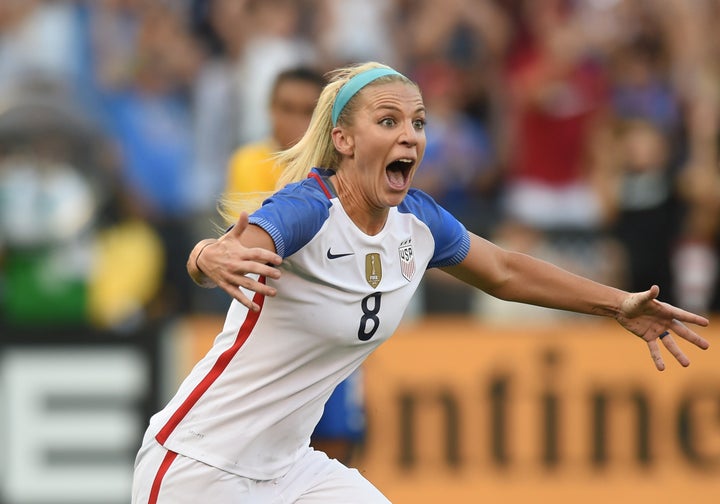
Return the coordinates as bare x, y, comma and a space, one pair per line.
396, 95
291, 88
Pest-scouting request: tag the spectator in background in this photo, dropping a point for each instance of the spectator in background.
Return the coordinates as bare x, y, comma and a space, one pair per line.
110, 29
463, 32
148, 112
38, 40
644, 151
645, 201
555, 124
293, 97
641, 87
695, 50
339, 41
273, 43
221, 27
557, 96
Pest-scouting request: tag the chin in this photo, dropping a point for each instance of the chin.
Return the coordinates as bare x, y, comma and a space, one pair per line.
396, 198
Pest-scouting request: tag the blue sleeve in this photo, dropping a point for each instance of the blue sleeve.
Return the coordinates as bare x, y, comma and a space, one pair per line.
452, 241
292, 216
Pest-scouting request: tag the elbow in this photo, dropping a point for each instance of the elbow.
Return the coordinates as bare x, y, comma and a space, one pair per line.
505, 278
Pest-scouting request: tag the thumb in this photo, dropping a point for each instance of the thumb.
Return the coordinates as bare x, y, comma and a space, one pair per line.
239, 228
652, 292
636, 300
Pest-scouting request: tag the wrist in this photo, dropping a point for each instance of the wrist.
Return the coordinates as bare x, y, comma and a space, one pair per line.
197, 256
194, 269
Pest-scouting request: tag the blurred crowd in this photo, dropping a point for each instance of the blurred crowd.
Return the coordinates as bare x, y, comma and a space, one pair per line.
584, 132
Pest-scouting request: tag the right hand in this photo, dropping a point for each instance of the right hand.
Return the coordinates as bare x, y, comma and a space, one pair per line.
227, 262
652, 320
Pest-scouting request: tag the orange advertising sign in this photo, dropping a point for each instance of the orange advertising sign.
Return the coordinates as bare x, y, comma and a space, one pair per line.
461, 412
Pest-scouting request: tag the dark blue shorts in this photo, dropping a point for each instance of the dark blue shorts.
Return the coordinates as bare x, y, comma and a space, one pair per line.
344, 415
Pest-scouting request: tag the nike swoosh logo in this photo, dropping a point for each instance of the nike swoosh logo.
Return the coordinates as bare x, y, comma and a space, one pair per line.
330, 255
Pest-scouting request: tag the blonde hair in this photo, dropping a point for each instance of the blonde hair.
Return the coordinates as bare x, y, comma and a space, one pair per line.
316, 147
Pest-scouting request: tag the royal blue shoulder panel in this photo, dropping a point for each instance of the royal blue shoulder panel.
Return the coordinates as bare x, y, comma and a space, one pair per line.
293, 215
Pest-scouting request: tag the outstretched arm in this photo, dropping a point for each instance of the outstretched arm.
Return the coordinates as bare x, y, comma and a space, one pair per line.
513, 276
225, 262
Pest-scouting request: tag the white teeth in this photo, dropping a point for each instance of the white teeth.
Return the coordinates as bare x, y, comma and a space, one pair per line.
405, 160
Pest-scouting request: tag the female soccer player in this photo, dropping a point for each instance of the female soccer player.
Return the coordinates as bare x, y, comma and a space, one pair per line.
321, 274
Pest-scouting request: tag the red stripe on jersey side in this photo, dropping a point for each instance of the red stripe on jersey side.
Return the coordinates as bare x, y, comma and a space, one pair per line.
217, 369
322, 184
164, 466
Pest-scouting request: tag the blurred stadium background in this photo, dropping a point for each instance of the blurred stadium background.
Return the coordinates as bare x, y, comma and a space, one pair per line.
581, 131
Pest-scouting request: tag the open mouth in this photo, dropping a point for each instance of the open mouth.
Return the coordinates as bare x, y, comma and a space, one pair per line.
398, 172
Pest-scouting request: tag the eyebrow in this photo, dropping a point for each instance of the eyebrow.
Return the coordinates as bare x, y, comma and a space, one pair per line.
395, 108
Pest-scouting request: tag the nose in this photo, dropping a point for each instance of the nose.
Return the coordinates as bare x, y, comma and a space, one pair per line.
408, 135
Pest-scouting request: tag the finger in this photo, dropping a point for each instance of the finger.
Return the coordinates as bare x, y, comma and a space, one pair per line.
656, 355
239, 296
689, 317
672, 347
261, 256
243, 268
256, 286
237, 293
689, 335
266, 271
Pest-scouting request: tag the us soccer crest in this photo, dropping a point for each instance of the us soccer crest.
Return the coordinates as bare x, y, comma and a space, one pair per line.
373, 269
407, 259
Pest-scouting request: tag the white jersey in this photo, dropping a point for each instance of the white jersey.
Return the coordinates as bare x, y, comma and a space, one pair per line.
249, 406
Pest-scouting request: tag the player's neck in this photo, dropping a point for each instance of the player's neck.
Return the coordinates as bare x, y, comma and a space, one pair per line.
368, 218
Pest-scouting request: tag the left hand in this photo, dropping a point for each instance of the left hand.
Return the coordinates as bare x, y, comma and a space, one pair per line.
230, 265
643, 315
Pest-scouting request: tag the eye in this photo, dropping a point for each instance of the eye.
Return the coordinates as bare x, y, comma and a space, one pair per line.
419, 124
387, 121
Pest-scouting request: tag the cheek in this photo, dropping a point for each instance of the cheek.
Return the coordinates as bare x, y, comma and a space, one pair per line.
420, 155
290, 125
297, 124
421, 150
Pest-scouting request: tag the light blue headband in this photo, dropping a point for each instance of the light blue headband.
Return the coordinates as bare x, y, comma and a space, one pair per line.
355, 84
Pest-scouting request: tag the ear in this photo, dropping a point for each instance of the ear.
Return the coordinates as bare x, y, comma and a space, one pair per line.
344, 143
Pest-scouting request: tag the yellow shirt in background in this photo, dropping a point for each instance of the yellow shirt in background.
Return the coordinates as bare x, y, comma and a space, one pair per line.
252, 169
